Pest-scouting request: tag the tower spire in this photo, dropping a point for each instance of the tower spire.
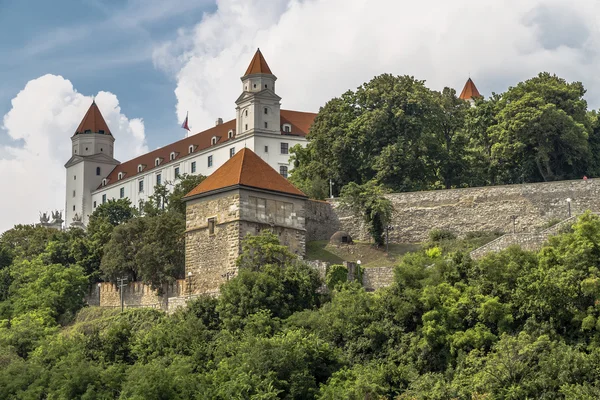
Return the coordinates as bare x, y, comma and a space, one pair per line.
258, 65
93, 121
470, 91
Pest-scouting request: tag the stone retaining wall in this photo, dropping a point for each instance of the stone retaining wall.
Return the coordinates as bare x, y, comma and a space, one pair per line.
321, 220
527, 241
377, 278
480, 209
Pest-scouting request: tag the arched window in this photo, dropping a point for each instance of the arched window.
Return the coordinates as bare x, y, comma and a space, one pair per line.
266, 110
97, 171
140, 168
214, 140
287, 128
120, 176
230, 134
172, 156
191, 149
157, 162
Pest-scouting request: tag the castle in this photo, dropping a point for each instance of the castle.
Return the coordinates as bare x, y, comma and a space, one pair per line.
93, 175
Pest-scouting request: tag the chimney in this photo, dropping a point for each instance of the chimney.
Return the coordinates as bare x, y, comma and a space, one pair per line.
219, 121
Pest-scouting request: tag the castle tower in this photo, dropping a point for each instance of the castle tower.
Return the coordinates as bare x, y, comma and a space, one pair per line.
91, 160
470, 92
258, 107
244, 196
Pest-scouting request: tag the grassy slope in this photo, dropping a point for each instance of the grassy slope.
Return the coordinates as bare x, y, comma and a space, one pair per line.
365, 252
374, 257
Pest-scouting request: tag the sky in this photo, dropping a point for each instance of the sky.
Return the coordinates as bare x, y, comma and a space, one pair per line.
149, 62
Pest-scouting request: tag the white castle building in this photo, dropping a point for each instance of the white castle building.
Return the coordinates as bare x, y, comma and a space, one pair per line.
94, 176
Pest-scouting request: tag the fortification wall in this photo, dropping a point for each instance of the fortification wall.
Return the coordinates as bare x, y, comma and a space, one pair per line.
321, 220
479, 209
377, 278
135, 295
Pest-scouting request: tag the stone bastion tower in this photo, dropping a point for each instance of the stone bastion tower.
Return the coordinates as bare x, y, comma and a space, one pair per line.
244, 196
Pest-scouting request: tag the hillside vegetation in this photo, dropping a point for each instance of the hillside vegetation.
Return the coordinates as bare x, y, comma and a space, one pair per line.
397, 132
513, 325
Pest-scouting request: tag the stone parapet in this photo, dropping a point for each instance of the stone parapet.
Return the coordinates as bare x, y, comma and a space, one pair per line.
135, 295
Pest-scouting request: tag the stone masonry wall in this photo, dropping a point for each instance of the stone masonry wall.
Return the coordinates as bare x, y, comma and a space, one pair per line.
480, 209
135, 294
211, 258
321, 220
377, 278
283, 215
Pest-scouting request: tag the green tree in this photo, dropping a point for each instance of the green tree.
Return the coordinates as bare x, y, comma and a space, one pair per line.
542, 131
116, 212
161, 258
384, 130
185, 185
269, 278
478, 121
26, 241
53, 287
452, 140
150, 249
368, 201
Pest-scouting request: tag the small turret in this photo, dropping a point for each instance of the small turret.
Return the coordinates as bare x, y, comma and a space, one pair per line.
470, 92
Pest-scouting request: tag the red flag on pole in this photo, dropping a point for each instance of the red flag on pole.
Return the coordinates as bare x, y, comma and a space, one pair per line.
185, 123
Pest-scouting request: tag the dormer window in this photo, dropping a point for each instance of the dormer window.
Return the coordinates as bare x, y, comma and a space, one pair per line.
140, 168
230, 134
191, 149
157, 162
101, 132
120, 176
88, 131
104, 182
213, 141
287, 128
172, 156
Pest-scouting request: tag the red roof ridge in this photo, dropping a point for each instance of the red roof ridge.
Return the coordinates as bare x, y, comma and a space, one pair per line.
93, 121
469, 91
245, 169
258, 65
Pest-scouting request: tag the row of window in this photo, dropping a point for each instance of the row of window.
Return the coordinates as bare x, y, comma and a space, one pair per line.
283, 170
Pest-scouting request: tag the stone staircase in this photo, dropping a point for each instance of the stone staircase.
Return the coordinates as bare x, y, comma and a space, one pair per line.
527, 241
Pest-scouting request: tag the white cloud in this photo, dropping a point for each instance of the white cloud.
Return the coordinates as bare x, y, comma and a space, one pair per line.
321, 48
43, 117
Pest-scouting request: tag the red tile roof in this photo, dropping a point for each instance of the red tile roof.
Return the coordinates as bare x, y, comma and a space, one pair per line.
247, 169
300, 122
469, 91
258, 65
93, 121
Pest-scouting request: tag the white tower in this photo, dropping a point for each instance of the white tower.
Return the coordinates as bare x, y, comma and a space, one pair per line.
258, 108
91, 161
